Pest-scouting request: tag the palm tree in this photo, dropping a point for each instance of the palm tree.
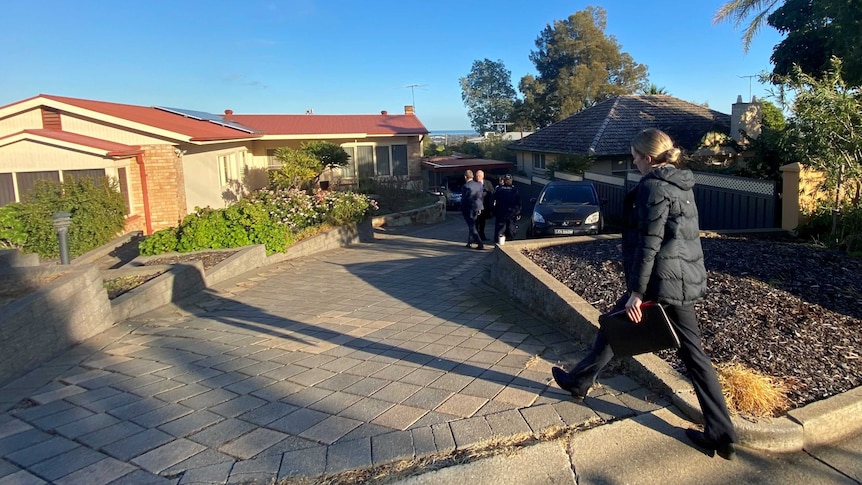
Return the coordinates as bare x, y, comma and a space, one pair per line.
653, 89
740, 10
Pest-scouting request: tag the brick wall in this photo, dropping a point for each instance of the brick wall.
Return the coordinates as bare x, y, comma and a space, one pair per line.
165, 185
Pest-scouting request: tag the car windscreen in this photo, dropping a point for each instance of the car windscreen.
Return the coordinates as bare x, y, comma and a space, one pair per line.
573, 194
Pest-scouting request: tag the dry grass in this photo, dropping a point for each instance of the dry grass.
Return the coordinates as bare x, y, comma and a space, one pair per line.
751, 393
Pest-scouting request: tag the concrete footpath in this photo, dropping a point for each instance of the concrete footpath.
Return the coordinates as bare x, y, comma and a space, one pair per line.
367, 356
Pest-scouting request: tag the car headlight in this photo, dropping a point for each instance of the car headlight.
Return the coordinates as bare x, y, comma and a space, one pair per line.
538, 218
592, 218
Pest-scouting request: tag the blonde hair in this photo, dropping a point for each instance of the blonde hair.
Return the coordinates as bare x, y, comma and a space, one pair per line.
657, 145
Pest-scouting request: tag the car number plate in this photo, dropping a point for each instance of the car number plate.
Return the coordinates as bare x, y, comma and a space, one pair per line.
564, 231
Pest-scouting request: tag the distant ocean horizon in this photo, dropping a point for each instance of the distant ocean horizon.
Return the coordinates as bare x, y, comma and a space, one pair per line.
452, 132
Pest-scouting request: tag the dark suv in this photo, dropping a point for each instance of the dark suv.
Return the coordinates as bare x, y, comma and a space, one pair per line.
566, 209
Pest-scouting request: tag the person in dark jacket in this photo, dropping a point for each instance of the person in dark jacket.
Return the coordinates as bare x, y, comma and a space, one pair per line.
663, 261
507, 210
487, 201
471, 207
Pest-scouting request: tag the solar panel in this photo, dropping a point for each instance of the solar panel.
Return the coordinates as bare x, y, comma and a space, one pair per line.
204, 116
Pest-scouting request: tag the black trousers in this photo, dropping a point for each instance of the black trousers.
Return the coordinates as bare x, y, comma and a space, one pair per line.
718, 426
480, 223
505, 227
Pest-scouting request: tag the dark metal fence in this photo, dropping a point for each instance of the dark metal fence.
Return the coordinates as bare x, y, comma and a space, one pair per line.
724, 202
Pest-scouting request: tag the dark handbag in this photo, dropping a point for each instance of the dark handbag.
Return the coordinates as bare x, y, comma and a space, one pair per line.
653, 333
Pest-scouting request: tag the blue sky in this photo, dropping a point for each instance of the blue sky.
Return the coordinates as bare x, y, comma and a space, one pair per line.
343, 56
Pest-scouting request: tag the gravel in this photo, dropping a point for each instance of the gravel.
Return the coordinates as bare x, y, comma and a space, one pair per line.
789, 310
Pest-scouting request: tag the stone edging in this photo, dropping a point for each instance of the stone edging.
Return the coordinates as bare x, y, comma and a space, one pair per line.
429, 214
820, 422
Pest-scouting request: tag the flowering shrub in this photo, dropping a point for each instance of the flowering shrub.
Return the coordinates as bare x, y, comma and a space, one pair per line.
292, 207
273, 217
338, 208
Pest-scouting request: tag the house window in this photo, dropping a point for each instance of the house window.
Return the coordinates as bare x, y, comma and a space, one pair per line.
124, 188
27, 180
7, 189
539, 160
383, 161
365, 161
95, 175
349, 169
399, 160
272, 162
228, 170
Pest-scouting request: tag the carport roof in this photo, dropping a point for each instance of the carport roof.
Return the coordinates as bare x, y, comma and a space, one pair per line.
450, 164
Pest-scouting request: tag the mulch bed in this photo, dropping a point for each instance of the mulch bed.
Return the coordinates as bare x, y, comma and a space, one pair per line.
786, 309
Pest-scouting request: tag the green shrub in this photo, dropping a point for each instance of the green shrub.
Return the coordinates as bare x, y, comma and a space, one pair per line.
163, 241
97, 214
274, 218
339, 208
12, 231
848, 235
292, 207
241, 224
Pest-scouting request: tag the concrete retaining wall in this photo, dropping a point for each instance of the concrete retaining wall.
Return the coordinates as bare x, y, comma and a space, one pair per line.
75, 306
65, 312
818, 423
424, 215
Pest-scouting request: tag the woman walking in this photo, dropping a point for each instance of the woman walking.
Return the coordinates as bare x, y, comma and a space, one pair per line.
663, 261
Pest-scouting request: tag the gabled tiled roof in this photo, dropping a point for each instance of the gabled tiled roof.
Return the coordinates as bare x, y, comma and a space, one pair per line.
314, 124
263, 125
150, 116
110, 148
609, 127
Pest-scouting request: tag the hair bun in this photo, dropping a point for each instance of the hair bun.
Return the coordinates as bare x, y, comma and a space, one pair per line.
671, 155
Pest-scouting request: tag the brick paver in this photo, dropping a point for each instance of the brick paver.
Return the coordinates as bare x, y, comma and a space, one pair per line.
352, 358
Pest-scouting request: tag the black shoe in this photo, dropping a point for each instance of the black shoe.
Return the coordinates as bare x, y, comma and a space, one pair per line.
468, 245
480, 246
566, 383
725, 450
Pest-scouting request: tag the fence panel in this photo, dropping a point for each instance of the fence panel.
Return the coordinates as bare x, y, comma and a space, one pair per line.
724, 202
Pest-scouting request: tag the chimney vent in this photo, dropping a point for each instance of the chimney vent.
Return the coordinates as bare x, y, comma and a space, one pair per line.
309, 111
408, 110
384, 112
228, 112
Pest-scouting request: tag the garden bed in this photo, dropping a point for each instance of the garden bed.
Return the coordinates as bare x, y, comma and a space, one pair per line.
786, 309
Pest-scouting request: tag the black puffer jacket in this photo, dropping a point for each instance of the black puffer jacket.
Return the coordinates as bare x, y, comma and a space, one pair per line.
662, 254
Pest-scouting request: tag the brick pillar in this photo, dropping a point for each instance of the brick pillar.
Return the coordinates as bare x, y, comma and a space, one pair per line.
165, 184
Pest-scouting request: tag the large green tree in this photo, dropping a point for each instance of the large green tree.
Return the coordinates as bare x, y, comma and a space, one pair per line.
826, 130
488, 94
815, 31
578, 66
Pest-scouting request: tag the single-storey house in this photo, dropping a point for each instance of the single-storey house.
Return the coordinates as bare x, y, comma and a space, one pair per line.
167, 161
604, 131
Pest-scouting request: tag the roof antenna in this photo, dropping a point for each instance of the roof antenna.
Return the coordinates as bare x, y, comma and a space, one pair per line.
749, 85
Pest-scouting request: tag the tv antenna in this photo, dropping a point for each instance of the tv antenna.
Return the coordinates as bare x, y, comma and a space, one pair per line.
412, 93
749, 84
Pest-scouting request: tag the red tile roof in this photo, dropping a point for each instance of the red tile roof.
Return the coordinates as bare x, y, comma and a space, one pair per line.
111, 148
197, 130
270, 124
313, 124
